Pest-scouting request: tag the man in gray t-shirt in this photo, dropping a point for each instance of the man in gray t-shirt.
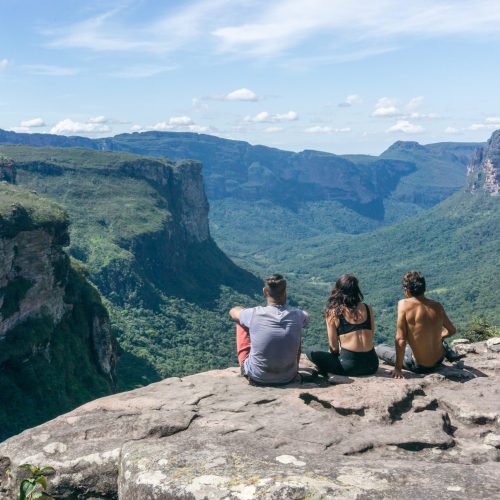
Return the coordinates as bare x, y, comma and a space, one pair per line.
269, 338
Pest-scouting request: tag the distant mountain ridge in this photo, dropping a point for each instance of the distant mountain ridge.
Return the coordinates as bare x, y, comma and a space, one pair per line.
260, 194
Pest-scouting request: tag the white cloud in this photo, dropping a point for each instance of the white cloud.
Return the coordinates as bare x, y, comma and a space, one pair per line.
136, 128
350, 100
266, 117
49, 70
273, 129
452, 130
415, 102
493, 119
317, 129
481, 126
423, 116
112, 31
406, 127
98, 119
34, 122
68, 126
284, 24
3, 64
242, 94
386, 107
175, 124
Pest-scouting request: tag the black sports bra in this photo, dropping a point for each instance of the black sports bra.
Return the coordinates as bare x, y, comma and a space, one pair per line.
346, 327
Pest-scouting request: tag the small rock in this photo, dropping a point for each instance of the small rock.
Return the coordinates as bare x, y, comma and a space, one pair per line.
492, 440
460, 342
493, 345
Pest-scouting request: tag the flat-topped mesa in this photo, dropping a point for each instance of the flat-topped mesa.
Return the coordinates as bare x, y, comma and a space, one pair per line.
484, 168
55, 334
212, 435
182, 183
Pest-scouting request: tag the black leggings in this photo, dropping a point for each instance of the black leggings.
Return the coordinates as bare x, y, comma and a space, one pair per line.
345, 363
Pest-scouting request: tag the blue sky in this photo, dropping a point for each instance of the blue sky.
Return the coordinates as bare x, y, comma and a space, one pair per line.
341, 76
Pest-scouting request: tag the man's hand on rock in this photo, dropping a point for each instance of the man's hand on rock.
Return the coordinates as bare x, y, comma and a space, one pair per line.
397, 373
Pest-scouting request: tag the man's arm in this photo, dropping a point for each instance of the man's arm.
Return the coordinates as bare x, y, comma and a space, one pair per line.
448, 327
235, 313
400, 341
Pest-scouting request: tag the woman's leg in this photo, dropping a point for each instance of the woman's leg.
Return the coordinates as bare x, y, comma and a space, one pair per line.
325, 361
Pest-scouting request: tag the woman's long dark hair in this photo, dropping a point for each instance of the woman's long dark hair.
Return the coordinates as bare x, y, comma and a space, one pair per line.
345, 295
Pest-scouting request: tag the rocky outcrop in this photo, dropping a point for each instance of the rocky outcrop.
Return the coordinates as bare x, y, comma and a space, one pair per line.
51, 318
212, 435
484, 168
7, 170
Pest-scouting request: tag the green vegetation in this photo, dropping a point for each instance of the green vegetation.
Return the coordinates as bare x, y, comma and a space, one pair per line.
455, 245
170, 315
480, 329
62, 371
22, 211
36, 484
168, 299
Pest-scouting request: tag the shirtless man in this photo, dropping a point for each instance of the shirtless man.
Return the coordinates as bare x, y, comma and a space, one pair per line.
423, 324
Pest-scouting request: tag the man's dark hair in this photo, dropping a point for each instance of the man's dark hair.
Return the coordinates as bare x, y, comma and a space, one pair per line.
275, 286
414, 282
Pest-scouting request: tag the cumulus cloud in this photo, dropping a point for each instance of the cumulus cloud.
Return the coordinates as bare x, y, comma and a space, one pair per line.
452, 130
423, 116
350, 100
386, 107
406, 127
318, 129
68, 126
242, 94
273, 129
3, 64
173, 124
98, 119
34, 122
266, 117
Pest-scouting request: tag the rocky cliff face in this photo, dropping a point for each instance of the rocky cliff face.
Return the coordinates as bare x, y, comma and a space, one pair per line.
212, 435
44, 300
484, 168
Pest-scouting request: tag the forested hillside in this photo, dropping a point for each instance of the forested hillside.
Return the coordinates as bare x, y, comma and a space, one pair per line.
140, 226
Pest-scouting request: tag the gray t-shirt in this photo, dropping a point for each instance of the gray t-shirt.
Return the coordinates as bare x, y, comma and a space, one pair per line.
275, 337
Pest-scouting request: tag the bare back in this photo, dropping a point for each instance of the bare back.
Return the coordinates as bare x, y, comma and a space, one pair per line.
423, 320
359, 340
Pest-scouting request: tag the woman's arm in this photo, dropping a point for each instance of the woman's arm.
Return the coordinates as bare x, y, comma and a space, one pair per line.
333, 338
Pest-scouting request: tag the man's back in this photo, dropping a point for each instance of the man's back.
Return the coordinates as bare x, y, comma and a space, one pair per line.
424, 326
275, 334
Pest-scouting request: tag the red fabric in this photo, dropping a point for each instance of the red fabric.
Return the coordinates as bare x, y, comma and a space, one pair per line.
242, 343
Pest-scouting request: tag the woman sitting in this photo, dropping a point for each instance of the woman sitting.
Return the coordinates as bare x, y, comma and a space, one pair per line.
350, 326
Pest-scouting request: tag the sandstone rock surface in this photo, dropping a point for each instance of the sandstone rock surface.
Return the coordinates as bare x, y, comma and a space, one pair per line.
213, 436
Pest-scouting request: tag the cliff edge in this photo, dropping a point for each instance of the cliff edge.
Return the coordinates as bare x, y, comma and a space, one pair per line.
483, 170
56, 347
212, 435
